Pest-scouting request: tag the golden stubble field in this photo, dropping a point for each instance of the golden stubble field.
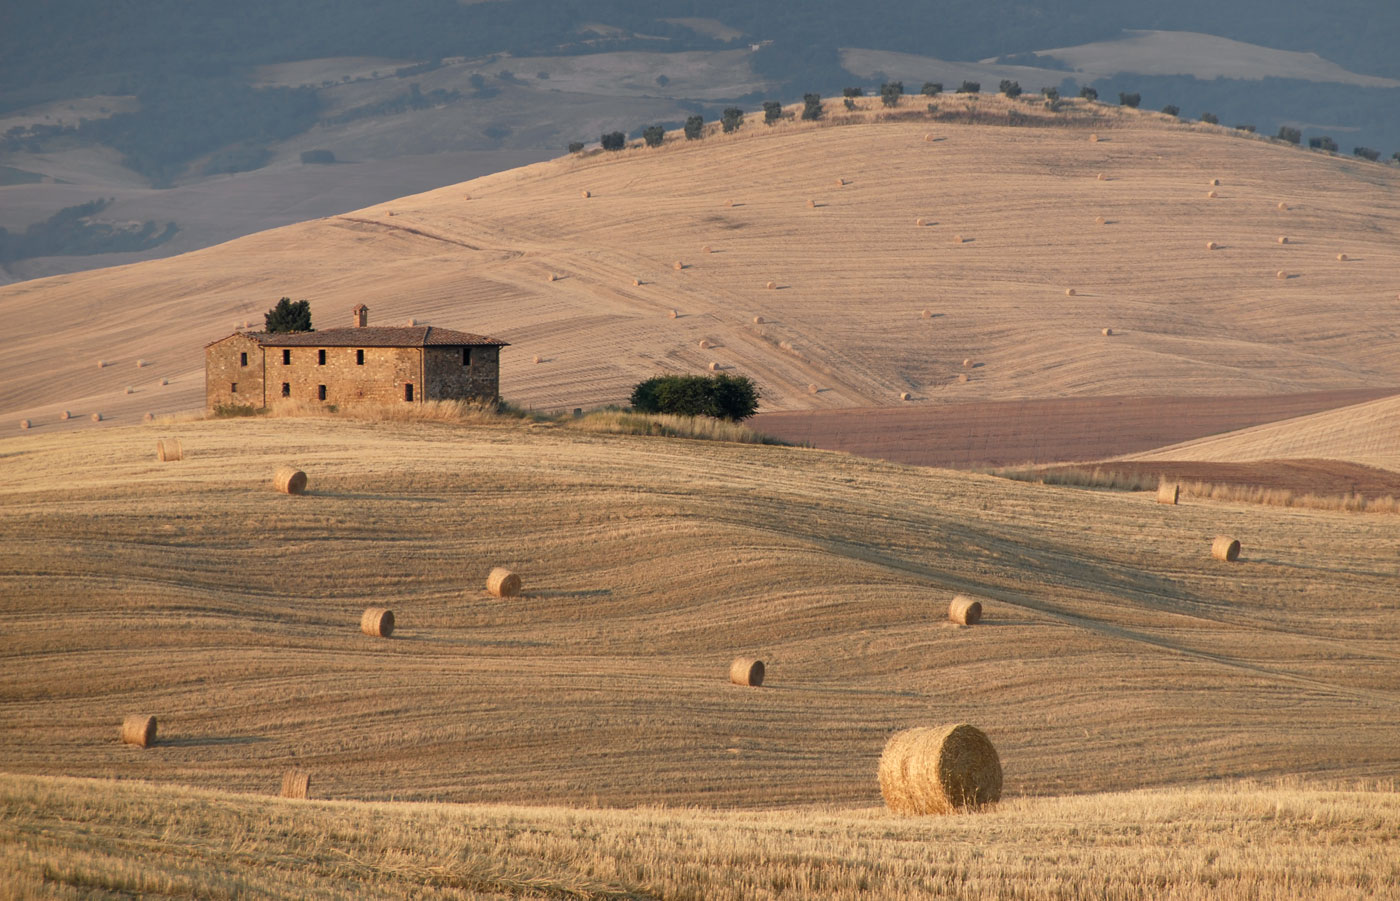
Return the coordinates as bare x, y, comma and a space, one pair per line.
1115, 656
828, 214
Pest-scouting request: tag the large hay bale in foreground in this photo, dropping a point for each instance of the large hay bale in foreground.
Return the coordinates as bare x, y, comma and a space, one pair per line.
139, 729
377, 622
290, 480
169, 450
296, 784
503, 583
1168, 493
965, 611
940, 769
1225, 548
746, 671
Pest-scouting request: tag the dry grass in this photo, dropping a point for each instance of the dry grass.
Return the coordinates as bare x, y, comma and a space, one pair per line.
845, 277
624, 422
68, 838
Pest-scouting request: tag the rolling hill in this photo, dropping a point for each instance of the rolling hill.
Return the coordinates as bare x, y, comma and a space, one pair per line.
1010, 197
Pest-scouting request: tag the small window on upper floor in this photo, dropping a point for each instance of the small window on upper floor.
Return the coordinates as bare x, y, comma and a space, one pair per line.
321, 357
466, 356
243, 359
359, 358
286, 356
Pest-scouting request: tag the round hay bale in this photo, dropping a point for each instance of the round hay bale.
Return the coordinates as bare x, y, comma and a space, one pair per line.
377, 622
771, 286
1212, 195
139, 730
928, 137
758, 320
130, 390
706, 249
673, 314
411, 322
1093, 139
503, 583
1070, 292
290, 480
553, 277
1168, 493
926, 314
1211, 245
714, 367
97, 417
905, 395
148, 417
840, 183
1283, 239
1280, 274
967, 363
705, 344
1100, 221
140, 364
101, 364
1342, 258
1103, 177
65, 415
24, 423
811, 204
813, 389
962, 377
1108, 333
1215, 182
678, 265
538, 359
957, 239
785, 345
939, 770
636, 283
164, 382
745, 671
729, 203
921, 222
1282, 205
586, 194
1225, 548
169, 450
965, 611
296, 784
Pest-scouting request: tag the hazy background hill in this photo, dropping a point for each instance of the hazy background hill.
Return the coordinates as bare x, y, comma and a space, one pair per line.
192, 119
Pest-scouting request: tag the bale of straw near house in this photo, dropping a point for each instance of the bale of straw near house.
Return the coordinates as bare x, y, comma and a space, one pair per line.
1100, 221
139, 730
101, 364
1212, 194
758, 320
1280, 274
1283, 239
1108, 333
1103, 177
813, 389
1282, 205
538, 358
939, 770
148, 417
553, 277
1168, 493
746, 671
97, 417
503, 583
290, 480
811, 204
377, 622
129, 390
1225, 548
962, 377
1093, 139
1211, 245
164, 382
921, 222
65, 415
140, 364
673, 314
1341, 258
840, 183
1215, 182
678, 265
928, 137
169, 450
586, 194
296, 784
771, 285
704, 344
967, 363
636, 283
905, 395
714, 367
926, 314
958, 239
24, 423
707, 249
1070, 292
965, 611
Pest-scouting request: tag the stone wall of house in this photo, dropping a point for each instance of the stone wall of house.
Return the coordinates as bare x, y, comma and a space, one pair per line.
381, 375
233, 373
478, 377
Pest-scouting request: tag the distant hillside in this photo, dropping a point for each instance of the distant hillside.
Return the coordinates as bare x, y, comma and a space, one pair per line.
932, 255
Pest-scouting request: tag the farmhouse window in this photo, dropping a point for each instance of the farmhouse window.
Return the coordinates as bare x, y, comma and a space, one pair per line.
359, 358
243, 359
233, 387
286, 389
286, 356
408, 391
466, 356
321, 357
321, 392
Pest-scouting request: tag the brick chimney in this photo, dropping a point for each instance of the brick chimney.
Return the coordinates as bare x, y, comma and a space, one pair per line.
361, 314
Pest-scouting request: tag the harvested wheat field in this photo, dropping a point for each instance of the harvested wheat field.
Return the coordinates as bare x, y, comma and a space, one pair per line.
850, 276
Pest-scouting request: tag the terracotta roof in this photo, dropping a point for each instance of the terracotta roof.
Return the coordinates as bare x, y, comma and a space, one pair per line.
375, 336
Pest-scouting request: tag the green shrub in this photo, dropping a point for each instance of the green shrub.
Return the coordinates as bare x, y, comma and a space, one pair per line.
852, 92
653, 135
890, 92
694, 128
289, 317
1323, 142
614, 140
932, 88
1246, 128
575, 146
970, 87
1010, 88
721, 396
1133, 100
1290, 134
1088, 93
1210, 118
772, 111
1172, 109
811, 107
732, 119
1366, 153
850, 104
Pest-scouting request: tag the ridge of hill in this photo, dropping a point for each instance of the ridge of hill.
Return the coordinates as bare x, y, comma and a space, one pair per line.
1114, 653
828, 213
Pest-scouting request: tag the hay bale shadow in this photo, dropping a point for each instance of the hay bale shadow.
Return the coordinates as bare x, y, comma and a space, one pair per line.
205, 741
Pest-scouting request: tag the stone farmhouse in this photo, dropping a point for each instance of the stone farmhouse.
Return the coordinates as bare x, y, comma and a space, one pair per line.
361, 364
